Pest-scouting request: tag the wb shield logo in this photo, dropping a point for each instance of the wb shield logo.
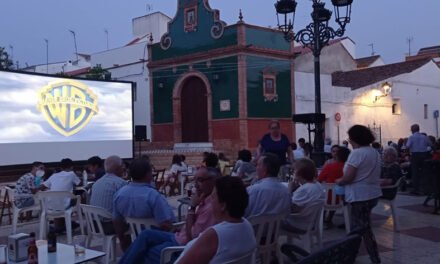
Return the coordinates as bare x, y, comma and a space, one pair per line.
68, 106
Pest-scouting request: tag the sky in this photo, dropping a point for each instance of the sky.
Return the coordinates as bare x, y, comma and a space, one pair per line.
25, 24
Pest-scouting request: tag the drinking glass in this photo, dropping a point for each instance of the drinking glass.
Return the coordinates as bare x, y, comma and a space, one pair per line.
79, 242
3, 254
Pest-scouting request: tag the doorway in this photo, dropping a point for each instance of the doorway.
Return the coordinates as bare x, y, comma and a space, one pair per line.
194, 110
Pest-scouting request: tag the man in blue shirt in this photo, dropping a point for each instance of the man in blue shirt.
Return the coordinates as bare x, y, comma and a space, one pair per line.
268, 196
418, 145
139, 199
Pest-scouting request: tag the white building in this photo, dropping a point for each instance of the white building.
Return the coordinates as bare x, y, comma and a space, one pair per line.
129, 63
354, 89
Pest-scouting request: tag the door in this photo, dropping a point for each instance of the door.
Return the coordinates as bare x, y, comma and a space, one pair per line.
194, 106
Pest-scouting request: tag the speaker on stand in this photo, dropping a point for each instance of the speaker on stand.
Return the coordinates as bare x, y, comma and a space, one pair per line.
140, 134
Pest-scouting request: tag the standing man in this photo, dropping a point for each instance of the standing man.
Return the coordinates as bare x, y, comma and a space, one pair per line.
418, 145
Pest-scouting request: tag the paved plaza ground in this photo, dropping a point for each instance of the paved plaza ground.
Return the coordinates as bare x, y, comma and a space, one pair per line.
417, 242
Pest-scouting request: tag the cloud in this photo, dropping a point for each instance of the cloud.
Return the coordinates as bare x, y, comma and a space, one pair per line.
22, 133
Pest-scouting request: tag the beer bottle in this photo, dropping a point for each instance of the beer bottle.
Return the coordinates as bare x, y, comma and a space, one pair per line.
32, 250
51, 242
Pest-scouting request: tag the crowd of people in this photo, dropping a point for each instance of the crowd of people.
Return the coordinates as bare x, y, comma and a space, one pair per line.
221, 206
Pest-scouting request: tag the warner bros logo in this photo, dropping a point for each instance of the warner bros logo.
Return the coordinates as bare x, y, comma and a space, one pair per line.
68, 106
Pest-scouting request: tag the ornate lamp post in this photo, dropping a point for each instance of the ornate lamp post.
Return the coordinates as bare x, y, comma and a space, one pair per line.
315, 36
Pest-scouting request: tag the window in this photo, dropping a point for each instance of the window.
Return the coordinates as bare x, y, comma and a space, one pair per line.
190, 19
425, 111
396, 107
270, 85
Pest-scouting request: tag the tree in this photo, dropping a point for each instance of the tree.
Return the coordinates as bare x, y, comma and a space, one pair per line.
5, 62
98, 73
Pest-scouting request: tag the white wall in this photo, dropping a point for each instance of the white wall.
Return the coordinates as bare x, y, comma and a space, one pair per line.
121, 56
333, 58
357, 107
137, 73
155, 23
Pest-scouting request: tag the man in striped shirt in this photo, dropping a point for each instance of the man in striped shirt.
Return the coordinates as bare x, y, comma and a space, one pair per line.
104, 189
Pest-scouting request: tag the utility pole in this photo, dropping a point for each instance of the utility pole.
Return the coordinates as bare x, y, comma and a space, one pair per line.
12, 52
106, 34
409, 40
47, 55
74, 40
372, 49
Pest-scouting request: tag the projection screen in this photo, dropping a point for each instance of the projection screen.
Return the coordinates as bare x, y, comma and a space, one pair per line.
45, 118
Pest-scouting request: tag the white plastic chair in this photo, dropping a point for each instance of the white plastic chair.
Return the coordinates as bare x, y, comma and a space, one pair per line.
94, 215
267, 228
53, 206
138, 224
336, 204
17, 211
314, 228
392, 203
167, 253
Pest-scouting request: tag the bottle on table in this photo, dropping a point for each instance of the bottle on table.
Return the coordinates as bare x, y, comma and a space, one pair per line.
51, 242
32, 250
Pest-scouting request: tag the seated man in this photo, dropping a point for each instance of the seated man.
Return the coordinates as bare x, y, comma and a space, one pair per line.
25, 187
307, 192
65, 180
104, 189
149, 244
94, 166
139, 199
267, 196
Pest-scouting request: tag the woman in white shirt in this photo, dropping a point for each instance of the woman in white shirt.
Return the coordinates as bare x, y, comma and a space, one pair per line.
176, 165
233, 237
307, 195
362, 184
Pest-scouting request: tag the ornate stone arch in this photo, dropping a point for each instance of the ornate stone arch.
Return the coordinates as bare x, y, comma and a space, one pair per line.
177, 104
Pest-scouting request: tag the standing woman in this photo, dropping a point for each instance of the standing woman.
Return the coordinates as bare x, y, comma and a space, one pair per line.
277, 143
362, 184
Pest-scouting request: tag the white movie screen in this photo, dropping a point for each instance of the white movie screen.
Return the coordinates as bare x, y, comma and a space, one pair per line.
49, 118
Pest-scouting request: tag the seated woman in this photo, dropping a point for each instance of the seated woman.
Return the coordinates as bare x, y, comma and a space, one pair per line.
221, 243
391, 172
176, 165
222, 162
333, 171
246, 169
333, 151
436, 153
307, 192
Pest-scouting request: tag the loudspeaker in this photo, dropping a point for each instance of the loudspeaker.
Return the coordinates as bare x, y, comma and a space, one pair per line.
140, 133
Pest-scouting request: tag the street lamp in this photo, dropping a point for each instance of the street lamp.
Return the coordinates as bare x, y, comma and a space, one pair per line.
315, 36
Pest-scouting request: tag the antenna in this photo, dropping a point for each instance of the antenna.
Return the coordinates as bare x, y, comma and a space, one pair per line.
74, 40
106, 34
47, 55
12, 52
409, 40
372, 49
149, 8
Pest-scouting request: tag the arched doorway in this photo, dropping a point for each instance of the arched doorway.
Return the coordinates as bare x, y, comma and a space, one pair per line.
194, 111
